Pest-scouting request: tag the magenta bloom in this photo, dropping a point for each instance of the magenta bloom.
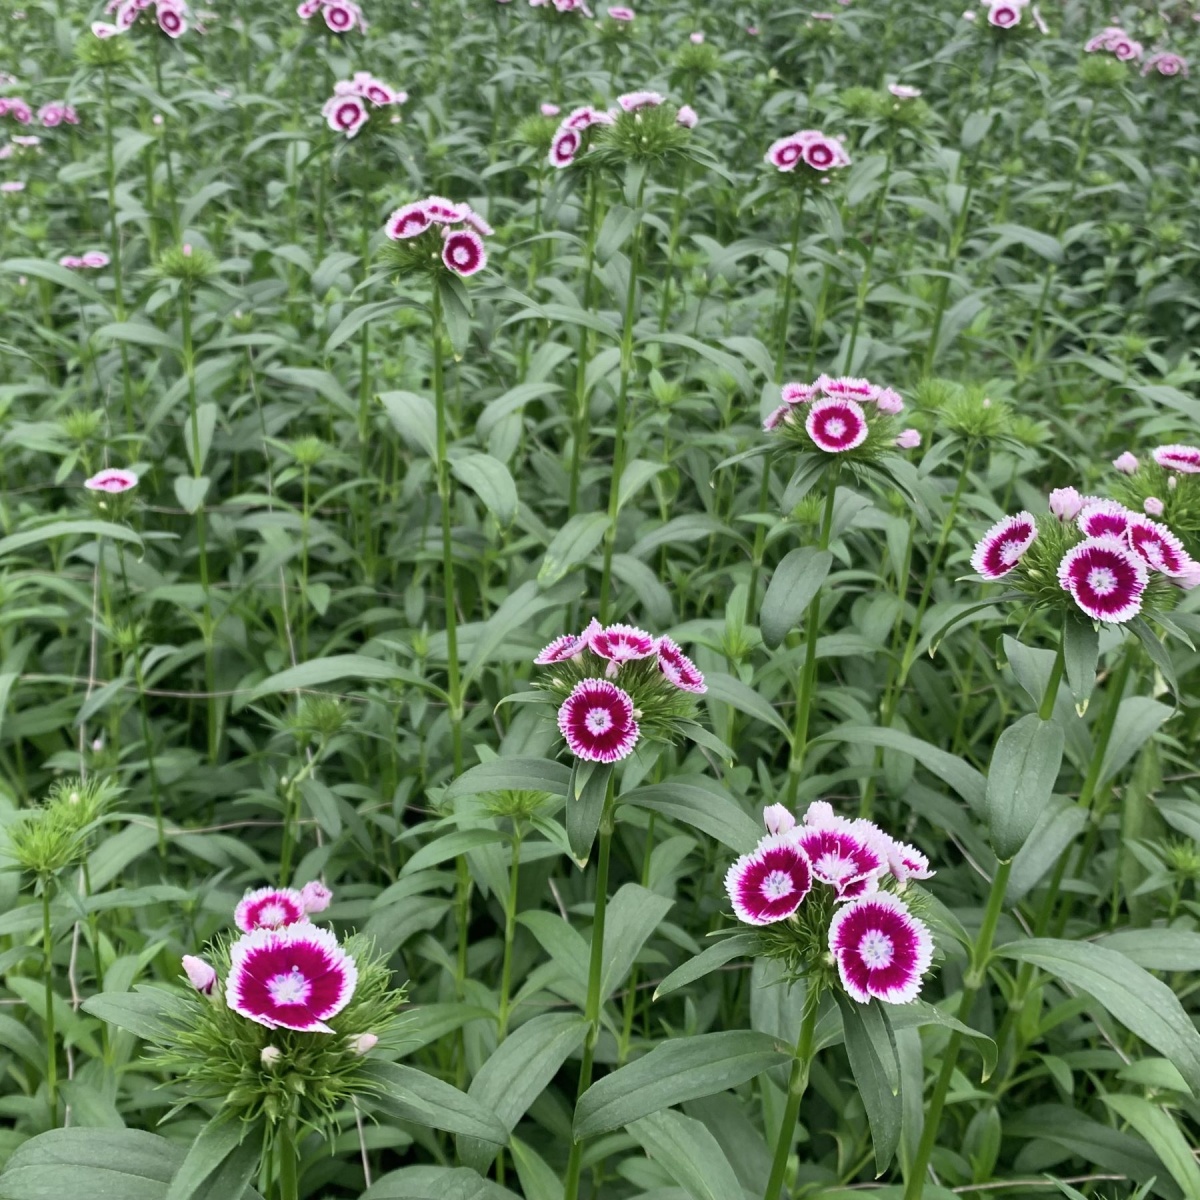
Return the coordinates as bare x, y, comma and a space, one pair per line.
797, 393
345, 114
621, 14
847, 387
408, 222
1166, 64
269, 908
1105, 578
597, 721
1158, 546
678, 668
104, 30
477, 223
784, 153
445, 212
906, 862
881, 949
776, 417
1004, 15
464, 253
562, 648
632, 101
902, 91
585, 117
621, 644
778, 818
823, 153
15, 107
340, 17
836, 426
1184, 459
1104, 518
1126, 463
840, 857
564, 147
1066, 503
200, 974
1001, 548
112, 480
315, 897
171, 19
291, 978
769, 884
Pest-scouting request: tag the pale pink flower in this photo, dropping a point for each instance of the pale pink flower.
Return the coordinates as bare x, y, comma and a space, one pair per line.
686, 117
200, 974
621, 14
632, 101
550, 110
1166, 64
1153, 506
902, 91
315, 897
11, 186
778, 818
364, 1043
908, 439
696, 38
1066, 503
1126, 463
112, 480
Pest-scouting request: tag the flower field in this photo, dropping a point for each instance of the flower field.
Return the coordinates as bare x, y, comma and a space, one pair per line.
599, 604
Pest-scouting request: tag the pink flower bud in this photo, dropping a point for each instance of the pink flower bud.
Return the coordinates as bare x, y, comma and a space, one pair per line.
778, 818
1126, 463
909, 439
200, 974
550, 110
1066, 503
270, 1056
315, 897
696, 38
187, 250
1173, 482
364, 1043
1153, 506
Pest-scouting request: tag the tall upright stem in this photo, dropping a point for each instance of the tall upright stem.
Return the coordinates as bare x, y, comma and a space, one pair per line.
510, 927
808, 676
618, 464
114, 245
580, 430
797, 1083
595, 976
289, 1173
864, 280
48, 979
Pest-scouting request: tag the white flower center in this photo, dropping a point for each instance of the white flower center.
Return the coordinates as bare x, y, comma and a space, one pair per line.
1102, 581
835, 427
272, 914
289, 988
833, 866
1010, 552
876, 949
777, 885
598, 720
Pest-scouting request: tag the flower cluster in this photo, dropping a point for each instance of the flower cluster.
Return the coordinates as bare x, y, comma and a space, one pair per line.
615, 683
353, 101
1115, 41
341, 16
641, 124
52, 115
838, 416
16, 108
1107, 559
827, 888
437, 234
93, 260
171, 15
1166, 487
1165, 63
810, 149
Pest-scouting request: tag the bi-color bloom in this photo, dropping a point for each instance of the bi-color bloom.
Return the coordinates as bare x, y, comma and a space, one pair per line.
620, 644
1184, 459
269, 908
463, 252
810, 147
882, 951
297, 977
771, 882
1104, 518
597, 721
1105, 578
1158, 546
1001, 548
112, 480
842, 857
836, 425
678, 668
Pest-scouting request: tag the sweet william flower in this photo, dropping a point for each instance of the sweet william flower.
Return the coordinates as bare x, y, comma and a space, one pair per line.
269, 908
619, 644
1105, 578
836, 425
678, 668
1158, 547
597, 722
1153, 506
315, 897
562, 648
112, 480
464, 253
778, 818
1001, 548
1126, 463
771, 882
841, 857
1184, 459
1101, 518
1066, 503
881, 950
908, 439
687, 117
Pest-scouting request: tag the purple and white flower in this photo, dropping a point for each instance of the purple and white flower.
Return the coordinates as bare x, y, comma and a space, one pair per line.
880, 948
836, 425
769, 884
269, 908
1105, 578
597, 721
1001, 548
678, 668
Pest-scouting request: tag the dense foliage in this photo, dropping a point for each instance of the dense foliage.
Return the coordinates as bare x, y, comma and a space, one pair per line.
846, 834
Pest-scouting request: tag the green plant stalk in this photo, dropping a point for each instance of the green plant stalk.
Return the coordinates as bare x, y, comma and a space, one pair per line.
289, 1177
210, 671
973, 981
166, 141
673, 247
114, 241
305, 521
595, 975
619, 419
808, 674
864, 281
364, 349
510, 929
580, 432
48, 980
291, 815
797, 1084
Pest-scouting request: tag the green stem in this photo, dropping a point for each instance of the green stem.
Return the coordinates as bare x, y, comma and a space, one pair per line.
619, 420
595, 974
48, 979
797, 1083
289, 1176
510, 928
579, 435
808, 676
864, 281
114, 241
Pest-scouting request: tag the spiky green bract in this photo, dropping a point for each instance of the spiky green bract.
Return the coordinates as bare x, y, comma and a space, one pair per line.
865, 103
1103, 73
650, 137
695, 60
102, 52
420, 255
536, 132
659, 705
217, 1054
54, 835
187, 264
967, 411
1181, 503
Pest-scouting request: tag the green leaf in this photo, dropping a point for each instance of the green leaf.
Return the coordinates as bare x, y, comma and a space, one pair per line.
1058, 825
585, 806
1133, 996
1138, 719
320, 671
414, 418
1020, 781
918, 1014
518, 608
633, 915
683, 1068
515, 774
489, 479
732, 691
1157, 949
225, 1145
794, 583
702, 803
152, 1013
451, 845
436, 1183
56, 529
1156, 1125
410, 1095
737, 945
1081, 653
356, 318
190, 491
571, 545
517, 1073
872, 1075
138, 333
37, 268
689, 1153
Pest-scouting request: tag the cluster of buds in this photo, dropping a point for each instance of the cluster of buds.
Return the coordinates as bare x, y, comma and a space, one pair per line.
841, 416
826, 893
341, 16
1115, 41
1166, 486
437, 234
642, 125
1091, 554
354, 100
615, 683
811, 151
171, 15
93, 260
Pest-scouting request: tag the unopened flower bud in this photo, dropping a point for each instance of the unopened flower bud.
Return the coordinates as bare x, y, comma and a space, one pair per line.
778, 818
364, 1043
315, 897
1153, 506
270, 1057
201, 975
1066, 503
908, 439
1126, 463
